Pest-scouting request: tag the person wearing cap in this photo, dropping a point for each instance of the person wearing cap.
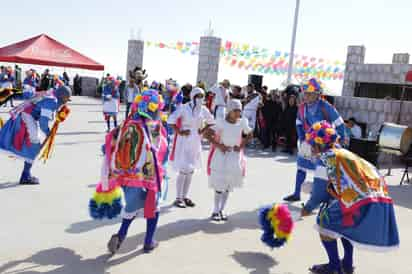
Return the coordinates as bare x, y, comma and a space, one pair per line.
20, 135
188, 122
311, 111
226, 163
221, 95
138, 148
355, 205
252, 102
111, 97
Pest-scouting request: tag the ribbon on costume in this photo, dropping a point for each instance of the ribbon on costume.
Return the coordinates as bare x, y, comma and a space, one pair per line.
150, 203
49, 142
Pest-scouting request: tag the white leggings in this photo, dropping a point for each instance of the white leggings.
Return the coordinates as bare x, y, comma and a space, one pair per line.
183, 181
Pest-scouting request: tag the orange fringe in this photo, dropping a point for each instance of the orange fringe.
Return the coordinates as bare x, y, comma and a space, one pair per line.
49, 142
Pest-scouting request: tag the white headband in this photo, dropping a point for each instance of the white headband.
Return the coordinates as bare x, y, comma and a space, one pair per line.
234, 104
195, 91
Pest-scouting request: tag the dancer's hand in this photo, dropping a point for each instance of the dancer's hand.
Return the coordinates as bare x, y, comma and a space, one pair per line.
304, 213
237, 148
184, 132
222, 148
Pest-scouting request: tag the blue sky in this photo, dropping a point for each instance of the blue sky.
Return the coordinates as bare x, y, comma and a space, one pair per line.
100, 29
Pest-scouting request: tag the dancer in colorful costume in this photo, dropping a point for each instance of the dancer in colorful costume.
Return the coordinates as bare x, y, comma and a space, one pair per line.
20, 135
226, 165
313, 110
111, 104
189, 122
134, 156
354, 200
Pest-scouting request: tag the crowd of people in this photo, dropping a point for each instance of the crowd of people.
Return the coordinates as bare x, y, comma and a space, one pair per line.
271, 114
31, 82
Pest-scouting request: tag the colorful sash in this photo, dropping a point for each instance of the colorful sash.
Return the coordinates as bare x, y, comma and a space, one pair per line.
354, 182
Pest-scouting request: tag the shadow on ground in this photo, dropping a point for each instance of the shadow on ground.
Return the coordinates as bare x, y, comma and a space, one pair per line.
9, 185
89, 225
65, 260
241, 220
255, 262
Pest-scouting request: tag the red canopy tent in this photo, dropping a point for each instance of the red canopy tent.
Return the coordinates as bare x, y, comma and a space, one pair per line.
44, 50
408, 76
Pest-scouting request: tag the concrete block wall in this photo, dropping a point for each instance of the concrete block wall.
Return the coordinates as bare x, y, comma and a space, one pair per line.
378, 73
355, 58
400, 58
357, 71
209, 57
135, 52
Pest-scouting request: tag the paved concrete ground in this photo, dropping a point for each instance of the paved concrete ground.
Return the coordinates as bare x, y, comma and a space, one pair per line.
46, 228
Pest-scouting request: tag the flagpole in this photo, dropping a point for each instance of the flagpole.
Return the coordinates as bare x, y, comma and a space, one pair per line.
292, 47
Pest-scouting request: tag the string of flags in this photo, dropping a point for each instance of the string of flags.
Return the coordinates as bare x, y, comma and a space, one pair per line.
263, 60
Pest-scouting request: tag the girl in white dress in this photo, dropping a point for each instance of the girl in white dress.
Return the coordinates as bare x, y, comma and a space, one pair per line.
226, 163
189, 122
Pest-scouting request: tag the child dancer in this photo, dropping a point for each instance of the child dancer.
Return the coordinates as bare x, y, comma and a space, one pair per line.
111, 98
187, 122
226, 164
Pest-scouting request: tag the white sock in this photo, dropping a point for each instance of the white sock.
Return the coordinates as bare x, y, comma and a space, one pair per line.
223, 200
218, 197
188, 181
180, 183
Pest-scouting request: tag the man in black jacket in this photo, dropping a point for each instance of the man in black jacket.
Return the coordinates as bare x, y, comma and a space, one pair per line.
45, 82
272, 111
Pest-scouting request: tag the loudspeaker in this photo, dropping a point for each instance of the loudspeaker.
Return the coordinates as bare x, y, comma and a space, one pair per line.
256, 80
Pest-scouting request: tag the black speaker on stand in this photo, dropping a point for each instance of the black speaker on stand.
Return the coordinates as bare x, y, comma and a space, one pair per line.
256, 80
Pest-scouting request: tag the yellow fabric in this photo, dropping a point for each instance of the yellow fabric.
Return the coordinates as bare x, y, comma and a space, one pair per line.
107, 197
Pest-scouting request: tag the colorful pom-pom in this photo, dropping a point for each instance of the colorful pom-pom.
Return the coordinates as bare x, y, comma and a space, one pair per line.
106, 204
277, 225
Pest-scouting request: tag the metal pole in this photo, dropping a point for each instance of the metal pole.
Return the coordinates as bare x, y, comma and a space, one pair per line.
292, 47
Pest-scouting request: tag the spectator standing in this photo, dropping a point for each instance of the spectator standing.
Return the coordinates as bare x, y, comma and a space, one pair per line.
46, 81
66, 79
132, 90
77, 85
271, 110
289, 124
